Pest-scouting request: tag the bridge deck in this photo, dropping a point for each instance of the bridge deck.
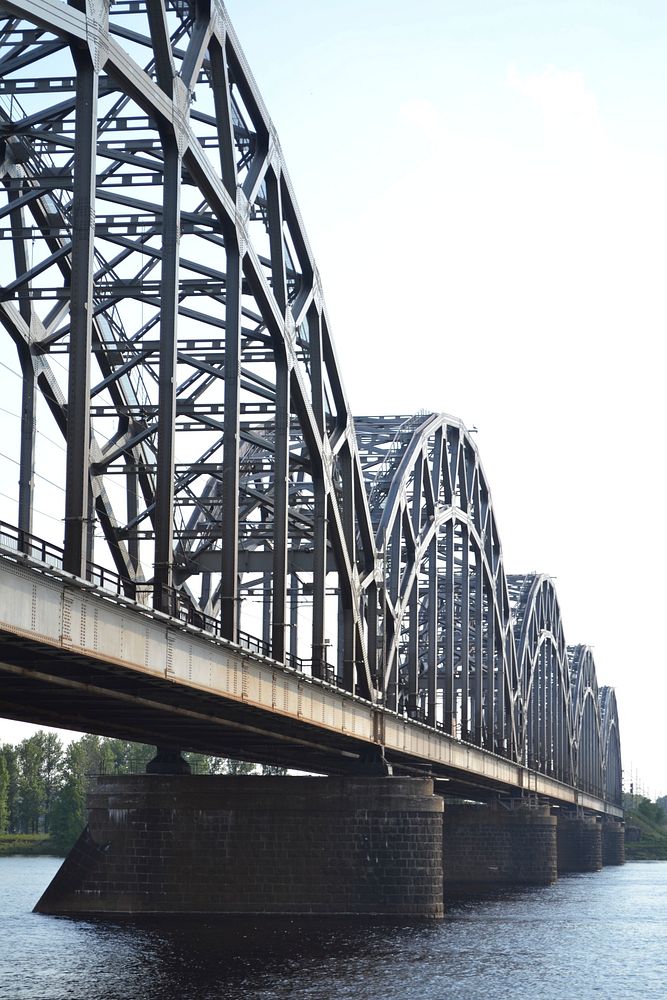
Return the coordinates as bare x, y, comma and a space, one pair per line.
73, 655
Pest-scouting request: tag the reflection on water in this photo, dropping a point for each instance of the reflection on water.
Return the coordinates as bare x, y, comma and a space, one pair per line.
599, 936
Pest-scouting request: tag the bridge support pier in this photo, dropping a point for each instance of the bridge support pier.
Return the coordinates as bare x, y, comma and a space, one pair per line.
579, 843
613, 842
487, 845
178, 843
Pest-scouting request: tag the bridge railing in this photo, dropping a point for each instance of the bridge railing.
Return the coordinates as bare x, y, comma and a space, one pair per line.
174, 603
20, 541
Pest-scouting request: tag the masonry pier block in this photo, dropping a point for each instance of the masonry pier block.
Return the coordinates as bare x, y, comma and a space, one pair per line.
579, 843
613, 842
487, 845
163, 844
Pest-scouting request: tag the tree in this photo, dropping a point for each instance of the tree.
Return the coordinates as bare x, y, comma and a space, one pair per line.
52, 759
4, 795
69, 813
10, 758
125, 757
31, 790
238, 767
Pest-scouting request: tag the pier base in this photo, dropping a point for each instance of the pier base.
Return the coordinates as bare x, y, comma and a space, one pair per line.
166, 844
579, 843
613, 842
488, 845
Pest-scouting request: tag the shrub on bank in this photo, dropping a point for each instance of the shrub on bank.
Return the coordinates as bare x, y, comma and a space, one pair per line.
652, 842
27, 843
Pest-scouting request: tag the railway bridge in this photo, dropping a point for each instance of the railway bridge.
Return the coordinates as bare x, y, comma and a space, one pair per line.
201, 547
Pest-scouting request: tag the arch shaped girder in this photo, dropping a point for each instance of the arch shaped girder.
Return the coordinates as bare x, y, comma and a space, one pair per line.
544, 677
209, 446
612, 772
586, 720
447, 643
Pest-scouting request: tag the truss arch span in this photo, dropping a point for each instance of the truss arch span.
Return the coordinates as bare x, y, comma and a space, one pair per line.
445, 631
612, 773
544, 677
586, 720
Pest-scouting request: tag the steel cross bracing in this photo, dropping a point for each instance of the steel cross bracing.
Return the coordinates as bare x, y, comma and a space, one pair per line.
174, 401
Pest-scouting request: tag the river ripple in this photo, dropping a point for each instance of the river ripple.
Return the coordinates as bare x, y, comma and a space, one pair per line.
590, 936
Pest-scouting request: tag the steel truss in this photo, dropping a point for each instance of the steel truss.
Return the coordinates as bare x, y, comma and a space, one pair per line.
170, 330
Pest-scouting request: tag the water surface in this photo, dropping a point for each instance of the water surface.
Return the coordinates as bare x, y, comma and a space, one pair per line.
590, 936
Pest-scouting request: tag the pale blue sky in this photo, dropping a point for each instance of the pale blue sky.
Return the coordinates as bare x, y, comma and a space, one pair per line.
484, 185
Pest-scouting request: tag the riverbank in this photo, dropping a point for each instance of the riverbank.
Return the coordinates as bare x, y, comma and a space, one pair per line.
651, 844
31, 844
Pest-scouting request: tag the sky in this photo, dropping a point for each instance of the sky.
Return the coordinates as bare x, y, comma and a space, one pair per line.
483, 185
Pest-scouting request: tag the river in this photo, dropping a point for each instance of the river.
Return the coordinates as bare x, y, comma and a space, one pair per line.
600, 936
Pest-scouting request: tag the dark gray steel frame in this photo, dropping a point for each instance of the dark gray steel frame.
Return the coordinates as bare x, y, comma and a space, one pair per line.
158, 253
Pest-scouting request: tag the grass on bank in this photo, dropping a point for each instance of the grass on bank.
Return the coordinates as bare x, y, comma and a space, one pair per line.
653, 843
26, 843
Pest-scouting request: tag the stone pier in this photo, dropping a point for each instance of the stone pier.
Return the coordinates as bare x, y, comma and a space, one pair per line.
487, 845
613, 842
167, 844
579, 843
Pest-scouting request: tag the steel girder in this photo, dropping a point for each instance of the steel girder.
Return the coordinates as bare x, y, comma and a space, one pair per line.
568, 728
612, 771
586, 718
545, 704
446, 639
182, 412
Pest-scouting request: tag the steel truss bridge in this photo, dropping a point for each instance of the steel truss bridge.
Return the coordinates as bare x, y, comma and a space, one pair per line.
201, 545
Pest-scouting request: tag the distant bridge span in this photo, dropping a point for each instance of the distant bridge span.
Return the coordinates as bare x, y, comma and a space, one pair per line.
245, 568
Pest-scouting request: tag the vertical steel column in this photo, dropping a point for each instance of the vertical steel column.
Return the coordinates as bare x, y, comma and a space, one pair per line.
293, 615
76, 556
372, 624
280, 508
490, 700
412, 693
27, 457
432, 633
266, 610
393, 584
449, 614
132, 502
543, 706
348, 516
547, 719
27, 452
320, 497
231, 436
501, 728
477, 694
282, 424
465, 633
166, 432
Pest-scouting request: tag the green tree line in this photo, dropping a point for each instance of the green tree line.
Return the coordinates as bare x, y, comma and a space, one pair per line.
43, 783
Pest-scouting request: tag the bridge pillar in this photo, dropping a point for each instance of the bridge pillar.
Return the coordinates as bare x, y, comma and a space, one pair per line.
487, 845
255, 845
613, 842
579, 843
